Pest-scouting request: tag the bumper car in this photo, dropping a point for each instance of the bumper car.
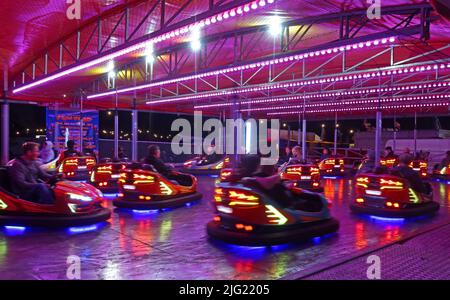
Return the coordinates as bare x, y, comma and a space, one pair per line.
441, 174
390, 196
302, 176
332, 167
77, 168
198, 166
249, 215
105, 176
389, 162
420, 166
142, 188
76, 204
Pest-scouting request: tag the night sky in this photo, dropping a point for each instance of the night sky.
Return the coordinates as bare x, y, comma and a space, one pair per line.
156, 126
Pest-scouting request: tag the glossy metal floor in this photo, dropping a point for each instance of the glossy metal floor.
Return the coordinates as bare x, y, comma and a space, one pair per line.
174, 245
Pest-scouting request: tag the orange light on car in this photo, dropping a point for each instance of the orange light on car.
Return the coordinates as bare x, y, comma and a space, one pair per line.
315, 184
239, 226
248, 228
360, 200
216, 219
396, 205
389, 204
225, 174
120, 195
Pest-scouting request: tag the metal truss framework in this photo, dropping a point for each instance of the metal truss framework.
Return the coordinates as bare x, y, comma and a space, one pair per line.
179, 61
120, 28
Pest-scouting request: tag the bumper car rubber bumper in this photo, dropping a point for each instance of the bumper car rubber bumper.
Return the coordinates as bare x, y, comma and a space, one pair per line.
46, 220
418, 210
292, 234
158, 204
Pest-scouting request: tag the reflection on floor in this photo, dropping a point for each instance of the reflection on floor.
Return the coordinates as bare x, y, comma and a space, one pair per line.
173, 244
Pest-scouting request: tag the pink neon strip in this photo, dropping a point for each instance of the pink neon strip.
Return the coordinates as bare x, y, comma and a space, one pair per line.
351, 102
248, 67
330, 79
361, 108
174, 33
324, 95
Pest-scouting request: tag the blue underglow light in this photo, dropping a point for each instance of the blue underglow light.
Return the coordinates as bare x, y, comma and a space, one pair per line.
82, 229
384, 219
145, 212
330, 177
15, 230
110, 195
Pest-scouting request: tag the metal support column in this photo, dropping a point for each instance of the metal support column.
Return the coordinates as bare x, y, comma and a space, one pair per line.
415, 134
81, 122
304, 138
335, 134
5, 123
378, 128
116, 128
395, 135
134, 131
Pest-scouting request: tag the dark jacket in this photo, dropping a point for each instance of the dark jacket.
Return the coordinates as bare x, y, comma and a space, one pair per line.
25, 176
412, 176
158, 164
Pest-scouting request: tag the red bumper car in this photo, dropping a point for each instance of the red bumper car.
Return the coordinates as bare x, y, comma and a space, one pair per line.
77, 168
76, 204
390, 196
105, 176
141, 188
303, 176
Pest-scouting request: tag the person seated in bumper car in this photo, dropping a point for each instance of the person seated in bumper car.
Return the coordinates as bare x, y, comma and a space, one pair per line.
69, 152
445, 161
368, 166
296, 156
267, 178
403, 170
27, 178
154, 159
47, 153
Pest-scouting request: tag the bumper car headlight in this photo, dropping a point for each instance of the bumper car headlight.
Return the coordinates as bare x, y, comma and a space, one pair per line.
79, 197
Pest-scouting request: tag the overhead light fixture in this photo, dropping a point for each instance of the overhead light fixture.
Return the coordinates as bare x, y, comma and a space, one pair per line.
275, 26
240, 9
149, 56
195, 39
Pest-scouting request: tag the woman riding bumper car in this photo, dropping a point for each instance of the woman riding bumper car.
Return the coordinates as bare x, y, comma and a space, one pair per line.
142, 188
205, 166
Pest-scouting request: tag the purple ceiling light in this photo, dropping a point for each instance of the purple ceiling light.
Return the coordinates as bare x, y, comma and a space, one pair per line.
351, 102
165, 36
286, 59
427, 105
333, 94
395, 70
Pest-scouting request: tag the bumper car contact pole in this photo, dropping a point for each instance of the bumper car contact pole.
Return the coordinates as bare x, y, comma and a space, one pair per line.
5, 122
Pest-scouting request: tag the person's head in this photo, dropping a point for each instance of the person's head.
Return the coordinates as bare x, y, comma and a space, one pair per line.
30, 150
250, 163
405, 159
154, 151
297, 151
48, 145
287, 150
71, 144
388, 150
121, 149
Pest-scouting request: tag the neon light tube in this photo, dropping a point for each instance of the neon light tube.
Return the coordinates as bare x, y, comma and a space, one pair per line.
169, 35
